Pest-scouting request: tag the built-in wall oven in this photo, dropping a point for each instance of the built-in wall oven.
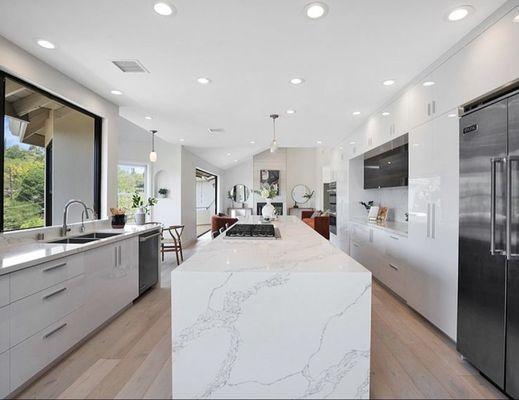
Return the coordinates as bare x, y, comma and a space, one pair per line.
331, 206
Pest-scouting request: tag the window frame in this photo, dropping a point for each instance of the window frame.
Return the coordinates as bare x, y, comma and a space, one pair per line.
98, 142
147, 176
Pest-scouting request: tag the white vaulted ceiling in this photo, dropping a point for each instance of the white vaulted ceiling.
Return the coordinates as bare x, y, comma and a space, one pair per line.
249, 49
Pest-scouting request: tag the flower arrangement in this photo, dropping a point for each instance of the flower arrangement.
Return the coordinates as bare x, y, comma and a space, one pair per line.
138, 202
267, 191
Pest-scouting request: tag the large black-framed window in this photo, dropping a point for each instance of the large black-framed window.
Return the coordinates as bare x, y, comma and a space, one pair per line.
43, 154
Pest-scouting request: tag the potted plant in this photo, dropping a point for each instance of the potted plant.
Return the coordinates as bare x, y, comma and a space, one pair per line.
163, 192
268, 192
143, 209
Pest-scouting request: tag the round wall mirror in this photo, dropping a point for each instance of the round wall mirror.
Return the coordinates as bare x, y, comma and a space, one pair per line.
240, 193
301, 194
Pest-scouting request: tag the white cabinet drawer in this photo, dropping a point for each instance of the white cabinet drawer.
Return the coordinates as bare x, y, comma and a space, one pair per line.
360, 234
34, 313
392, 275
32, 355
33, 279
4, 329
4, 290
4, 374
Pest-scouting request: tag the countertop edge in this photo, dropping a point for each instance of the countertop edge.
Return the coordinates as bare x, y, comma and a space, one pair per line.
380, 227
81, 248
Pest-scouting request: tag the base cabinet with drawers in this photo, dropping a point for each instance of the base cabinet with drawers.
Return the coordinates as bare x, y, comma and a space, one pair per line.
48, 308
382, 252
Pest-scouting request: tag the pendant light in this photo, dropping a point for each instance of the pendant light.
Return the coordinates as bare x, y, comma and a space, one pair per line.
153, 154
274, 145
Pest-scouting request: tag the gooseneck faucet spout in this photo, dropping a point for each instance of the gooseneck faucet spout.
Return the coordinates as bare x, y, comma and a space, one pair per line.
65, 229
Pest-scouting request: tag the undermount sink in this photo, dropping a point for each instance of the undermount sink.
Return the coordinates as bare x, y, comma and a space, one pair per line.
89, 237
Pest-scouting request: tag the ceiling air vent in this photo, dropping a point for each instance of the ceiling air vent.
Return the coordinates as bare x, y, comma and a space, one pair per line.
129, 65
215, 130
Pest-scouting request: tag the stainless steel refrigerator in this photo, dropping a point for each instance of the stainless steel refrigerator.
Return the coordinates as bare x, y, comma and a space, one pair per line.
488, 282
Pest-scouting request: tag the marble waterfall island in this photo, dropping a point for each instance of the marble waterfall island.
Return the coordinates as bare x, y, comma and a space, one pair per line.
283, 318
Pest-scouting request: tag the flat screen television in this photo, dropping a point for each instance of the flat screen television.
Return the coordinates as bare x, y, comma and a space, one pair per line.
388, 169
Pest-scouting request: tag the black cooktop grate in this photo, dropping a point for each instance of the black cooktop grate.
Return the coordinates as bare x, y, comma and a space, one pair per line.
251, 230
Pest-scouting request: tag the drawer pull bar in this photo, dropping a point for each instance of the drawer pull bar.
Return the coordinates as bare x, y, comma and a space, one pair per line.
53, 267
54, 293
52, 332
393, 267
394, 237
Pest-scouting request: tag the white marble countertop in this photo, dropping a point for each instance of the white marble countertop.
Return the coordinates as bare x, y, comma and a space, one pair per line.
300, 249
19, 256
398, 228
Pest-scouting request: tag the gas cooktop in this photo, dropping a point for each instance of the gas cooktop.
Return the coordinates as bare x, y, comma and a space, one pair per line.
252, 231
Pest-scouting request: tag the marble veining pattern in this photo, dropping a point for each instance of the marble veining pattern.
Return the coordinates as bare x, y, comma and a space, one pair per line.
254, 333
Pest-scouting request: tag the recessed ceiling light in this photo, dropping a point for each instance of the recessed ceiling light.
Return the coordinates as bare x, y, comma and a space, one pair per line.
386, 113
319, 142
116, 92
252, 142
290, 112
356, 113
340, 147
459, 13
296, 81
352, 143
516, 18
388, 82
181, 140
228, 154
235, 160
46, 44
163, 8
428, 83
452, 115
148, 118
203, 81
316, 10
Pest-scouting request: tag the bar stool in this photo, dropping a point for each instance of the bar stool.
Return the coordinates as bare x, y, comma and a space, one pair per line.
173, 244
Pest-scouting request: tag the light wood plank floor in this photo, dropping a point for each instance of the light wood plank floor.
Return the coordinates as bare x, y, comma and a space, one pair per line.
130, 358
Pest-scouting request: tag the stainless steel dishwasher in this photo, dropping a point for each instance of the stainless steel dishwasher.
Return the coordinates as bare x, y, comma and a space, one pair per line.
149, 248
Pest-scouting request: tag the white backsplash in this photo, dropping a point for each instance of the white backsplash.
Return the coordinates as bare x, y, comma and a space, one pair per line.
395, 199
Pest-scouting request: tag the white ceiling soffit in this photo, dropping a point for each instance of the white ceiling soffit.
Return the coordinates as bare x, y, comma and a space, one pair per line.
249, 50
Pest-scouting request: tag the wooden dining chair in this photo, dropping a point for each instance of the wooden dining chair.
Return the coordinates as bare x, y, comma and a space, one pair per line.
172, 241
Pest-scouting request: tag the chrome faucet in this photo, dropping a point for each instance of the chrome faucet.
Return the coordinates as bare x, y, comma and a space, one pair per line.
65, 228
94, 215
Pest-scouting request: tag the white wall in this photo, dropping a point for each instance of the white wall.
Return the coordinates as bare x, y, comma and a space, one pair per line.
238, 174
21, 64
72, 165
134, 148
301, 171
189, 164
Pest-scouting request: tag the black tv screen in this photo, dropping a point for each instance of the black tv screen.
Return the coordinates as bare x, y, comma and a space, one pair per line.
389, 169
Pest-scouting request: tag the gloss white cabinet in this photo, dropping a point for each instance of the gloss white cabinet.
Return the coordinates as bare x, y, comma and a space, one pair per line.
4, 329
433, 227
4, 290
112, 280
34, 313
4, 374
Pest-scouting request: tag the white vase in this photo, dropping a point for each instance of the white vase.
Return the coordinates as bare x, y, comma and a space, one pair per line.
268, 211
140, 216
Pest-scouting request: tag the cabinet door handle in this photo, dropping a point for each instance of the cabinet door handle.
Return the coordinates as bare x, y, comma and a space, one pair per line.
394, 237
53, 267
393, 266
433, 220
116, 258
52, 332
48, 296
428, 108
428, 219
434, 107
355, 245
120, 256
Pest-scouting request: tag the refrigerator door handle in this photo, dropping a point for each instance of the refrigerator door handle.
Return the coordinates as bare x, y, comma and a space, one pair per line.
509, 253
433, 221
493, 162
